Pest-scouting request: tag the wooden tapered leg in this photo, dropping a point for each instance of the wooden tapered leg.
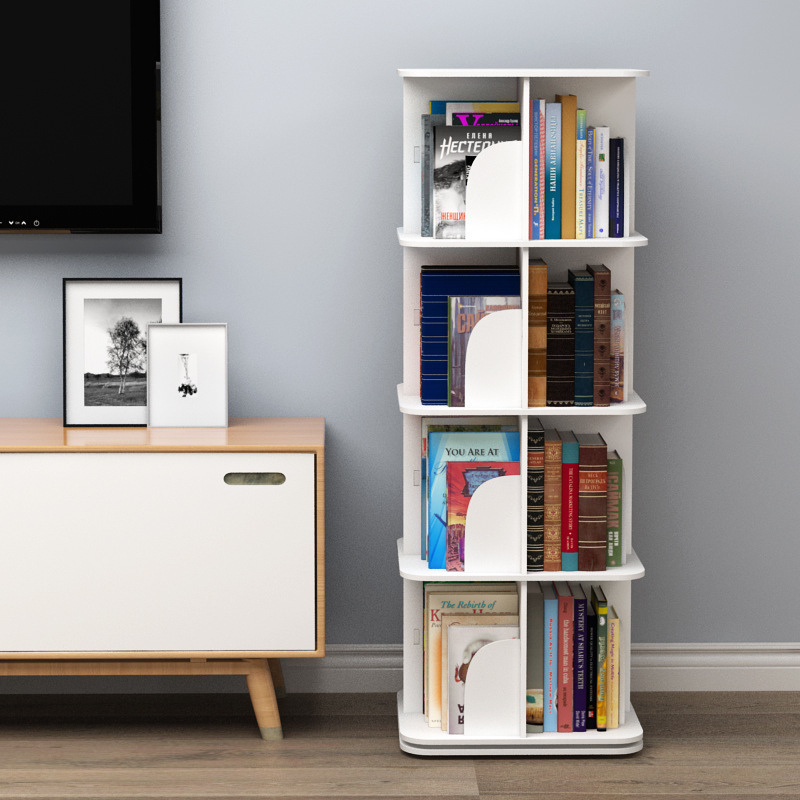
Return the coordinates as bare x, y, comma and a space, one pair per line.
262, 696
277, 677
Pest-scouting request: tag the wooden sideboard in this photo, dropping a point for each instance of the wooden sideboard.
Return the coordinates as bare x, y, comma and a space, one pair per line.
188, 551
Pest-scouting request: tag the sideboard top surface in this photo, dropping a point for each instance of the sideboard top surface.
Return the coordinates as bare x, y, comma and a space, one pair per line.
244, 434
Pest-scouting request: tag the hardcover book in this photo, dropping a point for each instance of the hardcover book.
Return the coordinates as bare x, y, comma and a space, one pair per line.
569, 119
617, 376
560, 344
464, 314
616, 193
535, 496
602, 334
580, 175
569, 501
591, 662
537, 332
550, 644
552, 500
579, 657
553, 178
614, 552
601, 181
537, 167
477, 119
468, 111
534, 661
583, 282
566, 617
592, 501
600, 605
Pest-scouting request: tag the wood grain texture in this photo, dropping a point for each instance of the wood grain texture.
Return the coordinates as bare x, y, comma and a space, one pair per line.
345, 746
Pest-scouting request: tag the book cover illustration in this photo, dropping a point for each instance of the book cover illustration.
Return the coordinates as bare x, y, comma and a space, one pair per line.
464, 641
455, 149
463, 480
464, 315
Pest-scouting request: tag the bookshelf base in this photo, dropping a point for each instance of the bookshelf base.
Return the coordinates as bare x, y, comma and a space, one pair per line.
417, 738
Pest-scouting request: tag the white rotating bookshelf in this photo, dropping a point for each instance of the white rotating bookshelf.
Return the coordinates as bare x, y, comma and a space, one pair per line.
497, 526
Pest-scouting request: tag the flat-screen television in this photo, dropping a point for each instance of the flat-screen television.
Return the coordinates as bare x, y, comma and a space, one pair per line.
80, 116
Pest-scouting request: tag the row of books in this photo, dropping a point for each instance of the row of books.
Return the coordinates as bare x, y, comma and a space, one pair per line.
573, 649
577, 173
574, 501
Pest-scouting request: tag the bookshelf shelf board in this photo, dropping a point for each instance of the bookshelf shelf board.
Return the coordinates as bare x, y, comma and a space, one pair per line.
417, 737
413, 568
415, 240
411, 404
523, 73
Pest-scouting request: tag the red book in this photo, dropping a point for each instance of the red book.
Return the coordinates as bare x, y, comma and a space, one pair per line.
566, 610
569, 501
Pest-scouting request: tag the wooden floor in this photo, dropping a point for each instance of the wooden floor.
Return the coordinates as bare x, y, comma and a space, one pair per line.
724, 745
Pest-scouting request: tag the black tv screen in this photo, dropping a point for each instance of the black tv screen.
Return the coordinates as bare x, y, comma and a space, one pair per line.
80, 116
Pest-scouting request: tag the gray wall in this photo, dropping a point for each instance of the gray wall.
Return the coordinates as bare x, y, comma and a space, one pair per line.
282, 139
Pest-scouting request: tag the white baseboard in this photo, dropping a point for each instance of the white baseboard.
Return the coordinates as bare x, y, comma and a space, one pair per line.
654, 667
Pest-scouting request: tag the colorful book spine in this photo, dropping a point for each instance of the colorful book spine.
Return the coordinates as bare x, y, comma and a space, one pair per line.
602, 335
592, 501
569, 118
617, 376
590, 168
616, 194
566, 614
535, 497
614, 555
613, 670
569, 501
591, 663
537, 332
551, 671
601, 610
536, 228
552, 500
583, 282
560, 345
579, 660
601, 181
553, 177
542, 157
580, 174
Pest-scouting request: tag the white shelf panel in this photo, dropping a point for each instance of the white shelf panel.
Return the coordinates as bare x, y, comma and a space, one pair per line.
414, 568
523, 73
411, 404
416, 737
415, 240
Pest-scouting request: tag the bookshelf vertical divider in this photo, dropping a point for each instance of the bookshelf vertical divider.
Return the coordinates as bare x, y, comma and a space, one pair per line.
609, 99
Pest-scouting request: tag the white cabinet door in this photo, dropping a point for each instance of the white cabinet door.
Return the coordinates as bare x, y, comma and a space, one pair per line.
156, 552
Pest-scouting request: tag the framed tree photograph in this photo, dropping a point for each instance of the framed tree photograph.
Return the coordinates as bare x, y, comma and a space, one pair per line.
188, 379
105, 346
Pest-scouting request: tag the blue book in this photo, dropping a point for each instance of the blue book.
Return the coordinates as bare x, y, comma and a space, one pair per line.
590, 182
570, 450
616, 193
583, 282
551, 670
437, 284
579, 659
552, 176
537, 165
445, 446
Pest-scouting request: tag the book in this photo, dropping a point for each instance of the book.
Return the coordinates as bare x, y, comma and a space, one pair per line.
602, 334
600, 605
463, 480
582, 282
534, 661
614, 552
470, 110
579, 660
429, 121
449, 619
601, 181
560, 344
535, 497
580, 174
616, 188
464, 642
478, 120
613, 669
552, 500
476, 598
455, 149
617, 336
537, 332
592, 500
445, 446
566, 614
437, 284
591, 662
590, 169
464, 313
569, 114
569, 501
537, 170
553, 178
550, 646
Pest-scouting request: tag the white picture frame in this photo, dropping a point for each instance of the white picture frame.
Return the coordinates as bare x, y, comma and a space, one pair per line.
187, 385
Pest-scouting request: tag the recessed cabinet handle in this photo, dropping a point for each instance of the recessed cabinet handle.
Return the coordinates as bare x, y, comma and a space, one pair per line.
255, 478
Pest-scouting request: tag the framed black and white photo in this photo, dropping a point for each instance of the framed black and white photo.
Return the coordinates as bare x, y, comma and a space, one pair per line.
188, 376
105, 346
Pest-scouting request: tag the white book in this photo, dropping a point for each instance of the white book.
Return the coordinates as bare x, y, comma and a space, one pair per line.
601, 181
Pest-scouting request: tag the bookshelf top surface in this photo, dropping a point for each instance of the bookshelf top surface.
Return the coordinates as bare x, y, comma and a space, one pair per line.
530, 72
415, 240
